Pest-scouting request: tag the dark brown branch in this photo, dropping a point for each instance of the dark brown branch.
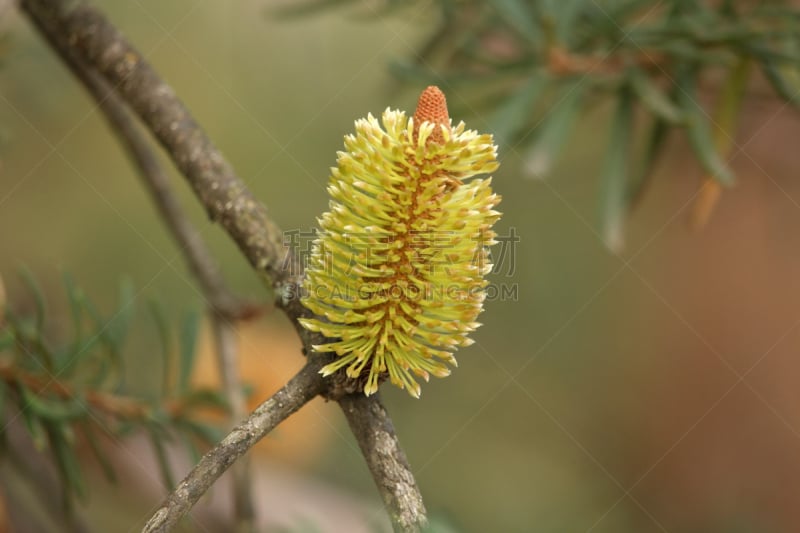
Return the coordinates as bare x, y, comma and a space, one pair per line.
86, 33
301, 389
374, 431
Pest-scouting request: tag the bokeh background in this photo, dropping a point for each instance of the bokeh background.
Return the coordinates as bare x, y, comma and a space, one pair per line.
654, 389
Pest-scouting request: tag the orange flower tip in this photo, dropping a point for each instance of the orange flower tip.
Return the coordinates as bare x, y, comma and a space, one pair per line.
432, 107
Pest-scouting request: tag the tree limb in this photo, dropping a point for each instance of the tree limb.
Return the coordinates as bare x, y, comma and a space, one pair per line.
86, 33
301, 389
374, 431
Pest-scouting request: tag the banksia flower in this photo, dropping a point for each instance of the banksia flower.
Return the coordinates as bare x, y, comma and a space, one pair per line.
397, 270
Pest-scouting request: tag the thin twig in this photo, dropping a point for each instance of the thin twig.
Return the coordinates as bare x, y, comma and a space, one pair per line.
227, 361
227, 200
103, 404
301, 389
223, 305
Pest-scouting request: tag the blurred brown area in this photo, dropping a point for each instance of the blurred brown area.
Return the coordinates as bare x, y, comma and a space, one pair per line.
269, 355
656, 390
727, 436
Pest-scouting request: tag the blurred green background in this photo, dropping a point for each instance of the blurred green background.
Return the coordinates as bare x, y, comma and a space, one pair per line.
607, 397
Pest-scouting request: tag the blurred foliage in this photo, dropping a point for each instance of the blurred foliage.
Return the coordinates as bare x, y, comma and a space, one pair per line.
542, 64
72, 394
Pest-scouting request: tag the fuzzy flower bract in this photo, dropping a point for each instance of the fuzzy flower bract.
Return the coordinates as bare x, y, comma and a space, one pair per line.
396, 273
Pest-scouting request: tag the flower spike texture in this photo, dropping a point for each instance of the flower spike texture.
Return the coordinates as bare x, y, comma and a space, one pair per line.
396, 273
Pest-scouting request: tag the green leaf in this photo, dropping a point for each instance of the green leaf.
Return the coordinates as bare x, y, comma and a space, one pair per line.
3, 397
94, 445
205, 432
188, 349
782, 13
72, 356
34, 426
385, 9
54, 410
515, 110
120, 322
566, 13
248, 389
610, 19
655, 100
69, 360
698, 130
38, 297
7, 339
124, 428
305, 8
165, 339
517, 15
68, 466
783, 78
75, 297
656, 141
103, 333
729, 105
157, 438
206, 398
30, 333
191, 448
554, 131
614, 187
112, 332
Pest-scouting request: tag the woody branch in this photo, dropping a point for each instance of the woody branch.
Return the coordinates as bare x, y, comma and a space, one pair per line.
81, 31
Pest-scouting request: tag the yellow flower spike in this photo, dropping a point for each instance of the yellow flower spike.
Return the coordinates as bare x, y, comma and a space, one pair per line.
397, 268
